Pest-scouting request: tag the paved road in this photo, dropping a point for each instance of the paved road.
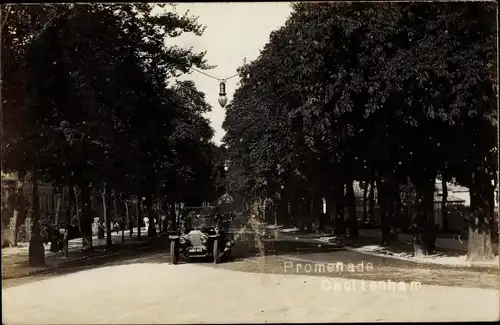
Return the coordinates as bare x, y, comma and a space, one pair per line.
267, 280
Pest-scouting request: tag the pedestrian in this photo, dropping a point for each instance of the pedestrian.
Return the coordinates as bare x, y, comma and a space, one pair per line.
165, 226
62, 234
117, 227
100, 231
44, 233
131, 227
151, 227
65, 240
54, 239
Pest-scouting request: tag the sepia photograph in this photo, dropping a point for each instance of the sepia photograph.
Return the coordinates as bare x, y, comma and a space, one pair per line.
249, 162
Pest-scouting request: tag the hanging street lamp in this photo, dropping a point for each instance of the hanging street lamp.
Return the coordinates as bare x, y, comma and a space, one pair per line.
222, 86
222, 94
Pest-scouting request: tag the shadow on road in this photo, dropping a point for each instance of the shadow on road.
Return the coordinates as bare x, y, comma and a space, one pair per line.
247, 251
157, 251
251, 248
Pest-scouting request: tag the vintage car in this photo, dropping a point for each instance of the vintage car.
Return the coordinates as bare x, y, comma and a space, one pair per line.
203, 233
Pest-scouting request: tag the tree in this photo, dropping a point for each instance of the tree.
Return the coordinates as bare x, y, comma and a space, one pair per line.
372, 92
95, 90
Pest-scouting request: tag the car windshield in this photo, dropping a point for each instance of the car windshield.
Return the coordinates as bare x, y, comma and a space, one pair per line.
202, 222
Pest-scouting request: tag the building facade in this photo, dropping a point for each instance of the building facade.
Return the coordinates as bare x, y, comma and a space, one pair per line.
45, 194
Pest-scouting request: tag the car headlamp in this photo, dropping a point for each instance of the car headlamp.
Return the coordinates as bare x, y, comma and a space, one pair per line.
203, 239
182, 240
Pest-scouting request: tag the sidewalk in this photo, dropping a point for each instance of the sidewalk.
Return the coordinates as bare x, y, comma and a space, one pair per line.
445, 243
450, 252
15, 259
441, 242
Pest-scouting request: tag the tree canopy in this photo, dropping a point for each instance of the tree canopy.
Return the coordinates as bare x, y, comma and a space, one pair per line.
90, 98
381, 92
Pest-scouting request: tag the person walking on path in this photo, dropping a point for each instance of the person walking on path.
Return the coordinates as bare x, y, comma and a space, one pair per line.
116, 227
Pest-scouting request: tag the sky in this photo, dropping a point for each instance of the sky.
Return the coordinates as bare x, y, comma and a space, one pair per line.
234, 31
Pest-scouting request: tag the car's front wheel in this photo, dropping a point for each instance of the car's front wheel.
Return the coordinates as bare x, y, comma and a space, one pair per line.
174, 252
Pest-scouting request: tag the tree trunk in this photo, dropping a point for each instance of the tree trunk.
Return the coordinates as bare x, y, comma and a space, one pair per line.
131, 222
330, 209
384, 204
424, 226
18, 207
14, 226
322, 215
274, 211
398, 205
430, 224
311, 216
151, 216
77, 208
391, 206
158, 210
479, 240
59, 205
444, 201
7, 208
86, 217
294, 211
138, 219
107, 218
115, 211
317, 208
303, 214
308, 209
115, 215
282, 210
127, 212
172, 220
67, 222
371, 201
36, 250
339, 227
127, 220
493, 216
395, 211
365, 203
301, 211
417, 222
268, 213
351, 204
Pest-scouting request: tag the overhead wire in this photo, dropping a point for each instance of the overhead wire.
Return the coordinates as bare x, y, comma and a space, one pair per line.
206, 74
210, 76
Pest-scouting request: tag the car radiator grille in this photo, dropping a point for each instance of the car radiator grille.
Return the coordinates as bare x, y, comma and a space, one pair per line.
195, 240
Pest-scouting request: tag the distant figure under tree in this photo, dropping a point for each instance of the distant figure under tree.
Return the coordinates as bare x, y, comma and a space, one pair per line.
151, 227
100, 230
